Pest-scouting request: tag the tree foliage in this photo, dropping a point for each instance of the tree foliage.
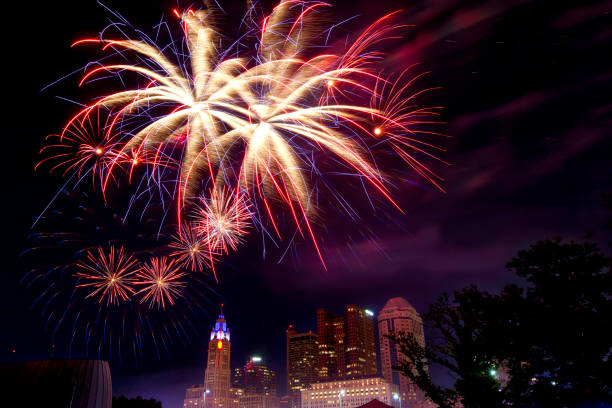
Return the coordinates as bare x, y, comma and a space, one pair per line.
138, 402
542, 344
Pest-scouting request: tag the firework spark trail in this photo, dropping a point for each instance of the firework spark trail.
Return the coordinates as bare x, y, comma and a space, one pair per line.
110, 275
213, 142
192, 250
162, 282
223, 220
258, 124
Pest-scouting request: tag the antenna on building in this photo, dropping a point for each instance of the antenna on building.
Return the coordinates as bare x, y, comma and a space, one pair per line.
222, 309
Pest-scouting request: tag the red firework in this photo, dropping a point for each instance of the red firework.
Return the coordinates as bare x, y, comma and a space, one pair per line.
83, 146
191, 250
162, 282
109, 275
223, 220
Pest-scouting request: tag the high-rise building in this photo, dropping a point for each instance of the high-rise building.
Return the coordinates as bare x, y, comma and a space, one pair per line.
256, 378
360, 343
347, 345
349, 393
217, 375
234, 395
302, 356
330, 335
238, 377
399, 316
259, 401
194, 397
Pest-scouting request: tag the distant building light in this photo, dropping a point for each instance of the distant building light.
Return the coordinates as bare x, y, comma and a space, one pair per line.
369, 312
492, 372
256, 359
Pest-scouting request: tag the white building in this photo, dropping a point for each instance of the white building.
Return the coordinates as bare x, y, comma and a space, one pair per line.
349, 393
194, 397
259, 401
398, 316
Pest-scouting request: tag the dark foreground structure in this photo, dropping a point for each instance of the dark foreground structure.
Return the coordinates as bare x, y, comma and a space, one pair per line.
57, 383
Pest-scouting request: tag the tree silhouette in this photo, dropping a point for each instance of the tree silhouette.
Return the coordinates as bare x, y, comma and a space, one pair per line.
545, 344
138, 402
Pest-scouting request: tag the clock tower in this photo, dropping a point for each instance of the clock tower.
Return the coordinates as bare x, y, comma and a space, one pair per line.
218, 374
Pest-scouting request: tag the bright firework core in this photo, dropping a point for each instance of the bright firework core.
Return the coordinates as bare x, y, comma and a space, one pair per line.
242, 136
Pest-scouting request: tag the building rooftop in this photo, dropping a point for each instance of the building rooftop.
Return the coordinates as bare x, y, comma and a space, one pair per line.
375, 403
397, 303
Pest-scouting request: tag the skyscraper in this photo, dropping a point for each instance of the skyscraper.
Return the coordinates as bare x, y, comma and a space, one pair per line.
399, 316
302, 356
217, 375
347, 345
256, 378
238, 377
330, 335
360, 342
194, 397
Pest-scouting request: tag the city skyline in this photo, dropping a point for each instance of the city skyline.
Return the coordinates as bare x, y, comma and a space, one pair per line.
359, 356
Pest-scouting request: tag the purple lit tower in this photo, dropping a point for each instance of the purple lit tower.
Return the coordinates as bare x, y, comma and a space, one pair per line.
218, 374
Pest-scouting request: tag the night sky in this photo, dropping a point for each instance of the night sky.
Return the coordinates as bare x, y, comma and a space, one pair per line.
526, 90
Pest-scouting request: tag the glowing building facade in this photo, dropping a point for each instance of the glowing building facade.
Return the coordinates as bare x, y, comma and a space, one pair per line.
256, 378
347, 344
399, 316
194, 397
218, 373
302, 355
349, 393
259, 401
360, 343
330, 334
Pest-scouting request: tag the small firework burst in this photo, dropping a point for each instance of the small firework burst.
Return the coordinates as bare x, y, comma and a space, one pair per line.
191, 250
223, 220
83, 147
161, 278
109, 275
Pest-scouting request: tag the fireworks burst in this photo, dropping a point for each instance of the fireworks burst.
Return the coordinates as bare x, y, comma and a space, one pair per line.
191, 250
110, 275
223, 220
262, 124
162, 282
87, 231
222, 138
84, 147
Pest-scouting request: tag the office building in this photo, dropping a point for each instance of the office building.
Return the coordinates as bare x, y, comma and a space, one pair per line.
360, 343
238, 377
350, 393
302, 356
399, 316
255, 378
194, 397
347, 345
259, 401
234, 397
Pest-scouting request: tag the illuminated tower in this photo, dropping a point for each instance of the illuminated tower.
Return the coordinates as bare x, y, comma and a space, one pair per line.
302, 355
399, 316
217, 375
330, 334
347, 344
258, 378
360, 341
